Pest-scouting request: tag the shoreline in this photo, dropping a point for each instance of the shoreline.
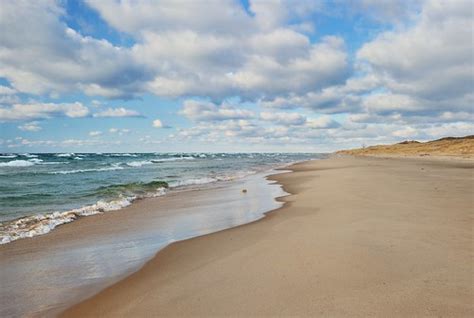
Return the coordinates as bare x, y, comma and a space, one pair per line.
116, 244
170, 270
105, 183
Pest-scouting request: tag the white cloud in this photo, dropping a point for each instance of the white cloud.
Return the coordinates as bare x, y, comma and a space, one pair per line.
119, 131
157, 123
31, 126
95, 133
430, 61
208, 111
69, 61
215, 48
322, 122
283, 118
118, 112
42, 110
5, 90
210, 48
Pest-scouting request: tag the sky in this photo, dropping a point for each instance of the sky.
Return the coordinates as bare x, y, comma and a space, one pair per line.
233, 76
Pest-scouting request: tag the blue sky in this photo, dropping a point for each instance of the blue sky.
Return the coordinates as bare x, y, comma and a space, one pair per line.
87, 76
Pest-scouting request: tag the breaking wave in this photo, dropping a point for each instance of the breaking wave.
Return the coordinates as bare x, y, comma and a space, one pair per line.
111, 168
44, 223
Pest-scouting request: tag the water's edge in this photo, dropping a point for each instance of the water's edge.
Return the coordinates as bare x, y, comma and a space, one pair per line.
126, 262
273, 172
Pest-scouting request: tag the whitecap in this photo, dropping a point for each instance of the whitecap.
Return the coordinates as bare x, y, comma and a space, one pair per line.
172, 159
17, 163
113, 167
27, 155
44, 223
192, 181
35, 160
139, 163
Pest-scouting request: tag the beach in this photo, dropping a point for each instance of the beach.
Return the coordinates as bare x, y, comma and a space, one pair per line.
357, 237
45, 274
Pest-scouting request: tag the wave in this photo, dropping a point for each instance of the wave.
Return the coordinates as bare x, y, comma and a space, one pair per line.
139, 163
157, 160
193, 181
140, 189
35, 160
121, 155
65, 155
7, 156
111, 168
17, 163
53, 163
29, 163
27, 155
44, 223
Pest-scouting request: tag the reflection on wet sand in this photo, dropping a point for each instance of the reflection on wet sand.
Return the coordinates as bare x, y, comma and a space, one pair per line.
48, 273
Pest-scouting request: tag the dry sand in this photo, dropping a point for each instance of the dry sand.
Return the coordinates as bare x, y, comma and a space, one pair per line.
359, 237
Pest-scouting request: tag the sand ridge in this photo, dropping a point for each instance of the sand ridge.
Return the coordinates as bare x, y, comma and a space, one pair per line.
457, 147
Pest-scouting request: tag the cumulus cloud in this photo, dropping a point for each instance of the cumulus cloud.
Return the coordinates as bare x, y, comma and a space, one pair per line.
322, 122
43, 110
118, 112
283, 118
428, 65
413, 77
95, 133
5, 90
415, 74
208, 111
217, 49
157, 123
69, 61
119, 131
31, 126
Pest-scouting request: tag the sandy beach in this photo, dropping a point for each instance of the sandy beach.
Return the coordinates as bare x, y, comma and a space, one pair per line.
358, 237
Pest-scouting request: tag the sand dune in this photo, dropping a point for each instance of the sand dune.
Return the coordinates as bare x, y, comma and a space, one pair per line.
461, 147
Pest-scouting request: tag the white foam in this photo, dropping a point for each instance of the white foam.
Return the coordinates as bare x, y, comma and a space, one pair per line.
113, 167
173, 159
27, 155
17, 163
53, 163
40, 224
43, 223
65, 154
122, 155
139, 163
35, 160
206, 180
193, 181
8, 156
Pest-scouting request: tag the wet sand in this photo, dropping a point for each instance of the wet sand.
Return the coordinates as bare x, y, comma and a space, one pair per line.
44, 275
358, 237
